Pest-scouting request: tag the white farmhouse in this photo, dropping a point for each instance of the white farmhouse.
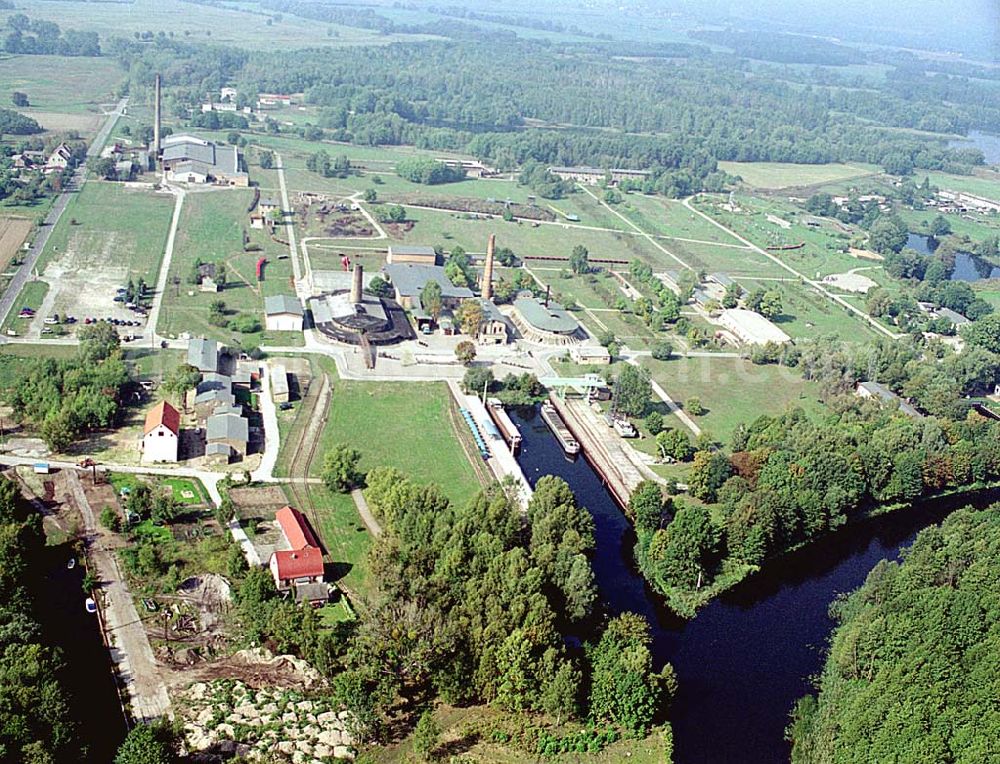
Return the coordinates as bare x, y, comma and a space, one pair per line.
161, 435
283, 313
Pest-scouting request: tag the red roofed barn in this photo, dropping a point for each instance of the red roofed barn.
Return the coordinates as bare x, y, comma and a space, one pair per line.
302, 564
161, 435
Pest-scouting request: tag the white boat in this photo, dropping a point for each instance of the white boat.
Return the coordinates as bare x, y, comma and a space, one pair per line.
90, 605
71, 564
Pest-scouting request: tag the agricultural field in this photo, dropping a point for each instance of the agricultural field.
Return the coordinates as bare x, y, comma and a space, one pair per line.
406, 426
64, 95
229, 25
211, 229
775, 175
733, 390
13, 232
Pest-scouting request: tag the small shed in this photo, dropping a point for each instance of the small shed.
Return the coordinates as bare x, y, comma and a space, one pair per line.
279, 384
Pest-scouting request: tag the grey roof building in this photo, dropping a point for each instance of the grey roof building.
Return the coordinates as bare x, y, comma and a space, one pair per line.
876, 390
409, 280
227, 427
956, 318
185, 153
215, 396
203, 354
283, 303
552, 318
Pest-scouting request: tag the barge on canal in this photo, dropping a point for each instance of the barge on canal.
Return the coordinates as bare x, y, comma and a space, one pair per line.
555, 422
504, 423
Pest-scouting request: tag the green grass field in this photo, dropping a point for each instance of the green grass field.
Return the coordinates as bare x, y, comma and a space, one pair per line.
129, 225
401, 425
666, 217
211, 229
733, 390
772, 175
245, 28
59, 83
985, 184
31, 296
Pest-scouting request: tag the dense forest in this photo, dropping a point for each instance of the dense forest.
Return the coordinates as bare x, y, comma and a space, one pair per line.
36, 726
911, 674
571, 104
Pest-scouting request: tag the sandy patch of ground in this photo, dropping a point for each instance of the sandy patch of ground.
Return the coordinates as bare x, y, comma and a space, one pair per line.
850, 282
83, 281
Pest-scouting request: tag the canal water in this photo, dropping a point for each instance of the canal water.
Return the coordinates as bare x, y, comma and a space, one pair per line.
88, 677
746, 658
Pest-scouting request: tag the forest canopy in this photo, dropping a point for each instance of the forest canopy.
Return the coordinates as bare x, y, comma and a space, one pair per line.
911, 673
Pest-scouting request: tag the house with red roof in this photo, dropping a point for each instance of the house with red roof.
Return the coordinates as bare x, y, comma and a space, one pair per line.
300, 567
161, 435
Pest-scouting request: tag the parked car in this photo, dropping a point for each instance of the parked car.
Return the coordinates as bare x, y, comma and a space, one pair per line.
285, 406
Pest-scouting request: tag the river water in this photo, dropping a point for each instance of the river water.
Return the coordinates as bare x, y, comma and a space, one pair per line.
968, 267
988, 143
745, 659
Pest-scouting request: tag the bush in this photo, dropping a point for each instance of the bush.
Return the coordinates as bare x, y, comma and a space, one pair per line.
654, 423
662, 350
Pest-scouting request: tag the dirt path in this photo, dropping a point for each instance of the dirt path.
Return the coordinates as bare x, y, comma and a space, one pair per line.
130, 648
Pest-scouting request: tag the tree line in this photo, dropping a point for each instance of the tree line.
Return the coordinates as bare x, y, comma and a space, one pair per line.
36, 725
28, 36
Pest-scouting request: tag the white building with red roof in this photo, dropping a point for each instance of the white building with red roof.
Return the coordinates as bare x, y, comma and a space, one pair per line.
302, 563
161, 435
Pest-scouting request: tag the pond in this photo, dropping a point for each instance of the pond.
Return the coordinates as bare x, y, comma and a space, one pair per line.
748, 656
968, 267
988, 143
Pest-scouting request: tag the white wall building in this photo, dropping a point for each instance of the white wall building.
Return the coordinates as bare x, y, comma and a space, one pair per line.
161, 436
752, 328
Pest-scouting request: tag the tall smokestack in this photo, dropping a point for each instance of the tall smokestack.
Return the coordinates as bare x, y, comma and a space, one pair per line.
356, 285
548, 293
156, 125
488, 270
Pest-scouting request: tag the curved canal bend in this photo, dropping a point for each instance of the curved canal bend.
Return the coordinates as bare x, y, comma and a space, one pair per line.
745, 659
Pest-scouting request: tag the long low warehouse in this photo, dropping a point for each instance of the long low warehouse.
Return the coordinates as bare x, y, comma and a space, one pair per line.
752, 328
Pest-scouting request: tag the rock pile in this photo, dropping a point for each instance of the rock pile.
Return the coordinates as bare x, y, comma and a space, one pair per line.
266, 724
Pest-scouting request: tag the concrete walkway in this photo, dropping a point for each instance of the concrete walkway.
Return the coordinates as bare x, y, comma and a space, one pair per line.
502, 463
130, 648
366, 515
272, 436
286, 208
149, 332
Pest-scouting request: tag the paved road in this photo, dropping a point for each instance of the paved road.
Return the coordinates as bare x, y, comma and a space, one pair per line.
130, 648
58, 207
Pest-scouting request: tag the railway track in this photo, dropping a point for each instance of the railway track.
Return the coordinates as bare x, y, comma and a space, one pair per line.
305, 451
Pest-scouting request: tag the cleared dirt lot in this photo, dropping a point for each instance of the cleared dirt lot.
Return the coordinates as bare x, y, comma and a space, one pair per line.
13, 232
83, 280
